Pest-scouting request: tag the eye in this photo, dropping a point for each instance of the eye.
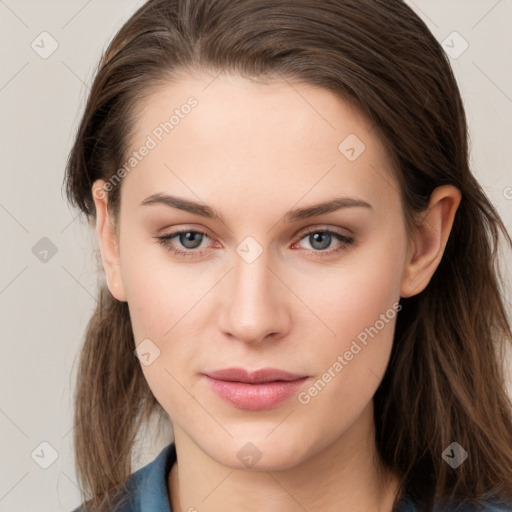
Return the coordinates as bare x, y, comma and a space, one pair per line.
320, 240
190, 239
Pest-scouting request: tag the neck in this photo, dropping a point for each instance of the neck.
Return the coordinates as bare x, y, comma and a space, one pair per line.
345, 476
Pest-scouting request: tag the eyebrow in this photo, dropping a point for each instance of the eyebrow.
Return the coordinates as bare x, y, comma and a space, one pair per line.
291, 216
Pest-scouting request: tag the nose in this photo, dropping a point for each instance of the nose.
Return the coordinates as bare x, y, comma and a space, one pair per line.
255, 308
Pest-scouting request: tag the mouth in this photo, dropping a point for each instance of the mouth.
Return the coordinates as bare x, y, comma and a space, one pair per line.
254, 390
260, 376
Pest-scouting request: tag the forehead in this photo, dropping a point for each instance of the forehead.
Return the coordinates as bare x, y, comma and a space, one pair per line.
278, 141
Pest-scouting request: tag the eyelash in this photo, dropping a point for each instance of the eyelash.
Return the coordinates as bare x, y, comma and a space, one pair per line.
346, 241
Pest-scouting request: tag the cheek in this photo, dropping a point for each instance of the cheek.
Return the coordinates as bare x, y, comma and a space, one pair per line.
159, 302
161, 296
353, 295
157, 291
359, 305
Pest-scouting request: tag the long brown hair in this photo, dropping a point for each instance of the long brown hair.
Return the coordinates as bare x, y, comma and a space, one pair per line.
445, 381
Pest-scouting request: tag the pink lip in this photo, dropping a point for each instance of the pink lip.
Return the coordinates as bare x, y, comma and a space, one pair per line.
256, 390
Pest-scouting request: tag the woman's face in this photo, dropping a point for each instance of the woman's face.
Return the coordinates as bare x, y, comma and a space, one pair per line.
262, 288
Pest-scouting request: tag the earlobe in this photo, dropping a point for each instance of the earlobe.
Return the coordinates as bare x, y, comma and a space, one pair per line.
107, 242
430, 238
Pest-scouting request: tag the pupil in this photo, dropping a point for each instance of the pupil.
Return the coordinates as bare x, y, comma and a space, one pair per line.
317, 236
189, 237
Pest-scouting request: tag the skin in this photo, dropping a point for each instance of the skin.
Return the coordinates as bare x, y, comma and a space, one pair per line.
253, 151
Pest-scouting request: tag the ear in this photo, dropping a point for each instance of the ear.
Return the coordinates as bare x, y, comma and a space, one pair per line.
429, 240
108, 244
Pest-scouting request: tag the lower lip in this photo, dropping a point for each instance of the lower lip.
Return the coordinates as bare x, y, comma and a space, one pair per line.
255, 397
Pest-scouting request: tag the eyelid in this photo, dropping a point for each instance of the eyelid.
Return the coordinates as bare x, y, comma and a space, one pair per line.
345, 241
299, 233
324, 227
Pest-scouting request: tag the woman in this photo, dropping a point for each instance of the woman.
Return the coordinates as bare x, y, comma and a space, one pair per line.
300, 268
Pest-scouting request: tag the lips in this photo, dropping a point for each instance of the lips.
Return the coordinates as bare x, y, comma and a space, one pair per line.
254, 390
255, 376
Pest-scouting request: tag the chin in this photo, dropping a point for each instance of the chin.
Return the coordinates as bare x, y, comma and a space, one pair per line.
260, 454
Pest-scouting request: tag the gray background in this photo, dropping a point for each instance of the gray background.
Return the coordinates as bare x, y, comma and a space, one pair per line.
45, 305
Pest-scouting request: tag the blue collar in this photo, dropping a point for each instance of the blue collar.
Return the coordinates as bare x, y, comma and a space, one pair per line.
147, 490
150, 483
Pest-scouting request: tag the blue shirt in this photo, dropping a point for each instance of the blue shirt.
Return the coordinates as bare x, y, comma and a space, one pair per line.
148, 486
148, 490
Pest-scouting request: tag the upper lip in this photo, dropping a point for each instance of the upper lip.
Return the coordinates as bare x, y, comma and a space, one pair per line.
253, 376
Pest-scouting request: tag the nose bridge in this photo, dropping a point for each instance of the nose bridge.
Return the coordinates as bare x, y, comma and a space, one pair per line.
256, 307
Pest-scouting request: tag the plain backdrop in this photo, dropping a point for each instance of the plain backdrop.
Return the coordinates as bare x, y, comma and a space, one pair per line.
46, 298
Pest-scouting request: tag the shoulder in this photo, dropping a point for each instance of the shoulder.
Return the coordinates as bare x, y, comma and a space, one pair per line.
146, 488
